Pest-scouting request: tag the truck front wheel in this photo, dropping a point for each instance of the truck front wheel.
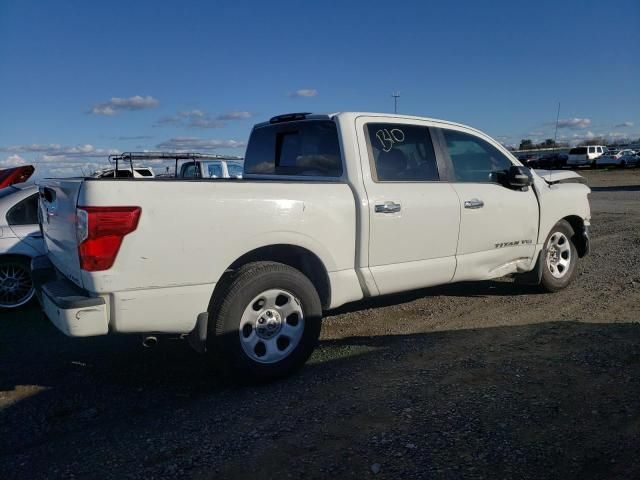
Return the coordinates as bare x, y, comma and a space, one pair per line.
560, 258
266, 320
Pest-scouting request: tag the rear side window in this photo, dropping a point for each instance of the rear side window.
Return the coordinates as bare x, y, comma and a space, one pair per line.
592, 149
401, 153
473, 159
307, 148
24, 212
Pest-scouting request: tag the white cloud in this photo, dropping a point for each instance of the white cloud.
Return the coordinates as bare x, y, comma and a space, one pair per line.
118, 104
54, 150
304, 92
624, 125
190, 119
574, 123
13, 161
195, 144
235, 116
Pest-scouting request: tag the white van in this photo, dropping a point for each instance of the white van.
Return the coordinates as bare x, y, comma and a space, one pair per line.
585, 155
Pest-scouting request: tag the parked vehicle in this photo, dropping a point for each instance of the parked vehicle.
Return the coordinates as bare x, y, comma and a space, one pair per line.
332, 208
122, 172
10, 176
584, 156
230, 167
20, 241
550, 161
624, 158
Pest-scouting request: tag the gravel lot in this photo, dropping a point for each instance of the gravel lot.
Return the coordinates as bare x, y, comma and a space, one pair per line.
485, 380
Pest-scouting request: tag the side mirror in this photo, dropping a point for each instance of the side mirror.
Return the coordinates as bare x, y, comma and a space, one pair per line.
519, 177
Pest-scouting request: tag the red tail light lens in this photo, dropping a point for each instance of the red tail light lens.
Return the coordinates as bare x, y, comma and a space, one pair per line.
100, 231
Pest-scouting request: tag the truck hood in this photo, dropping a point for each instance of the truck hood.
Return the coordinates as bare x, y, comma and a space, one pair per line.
560, 176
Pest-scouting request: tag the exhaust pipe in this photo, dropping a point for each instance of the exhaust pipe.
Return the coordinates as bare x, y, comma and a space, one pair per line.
149, 341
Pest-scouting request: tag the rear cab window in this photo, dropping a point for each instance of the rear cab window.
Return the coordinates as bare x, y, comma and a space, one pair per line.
297, 148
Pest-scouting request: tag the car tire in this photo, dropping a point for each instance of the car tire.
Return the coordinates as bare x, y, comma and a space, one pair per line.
560, 258
16, 287
265, 321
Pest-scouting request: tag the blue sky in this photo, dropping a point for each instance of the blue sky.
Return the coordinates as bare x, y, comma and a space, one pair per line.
81, 79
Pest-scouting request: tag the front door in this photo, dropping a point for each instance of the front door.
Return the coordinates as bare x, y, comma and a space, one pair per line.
498, 225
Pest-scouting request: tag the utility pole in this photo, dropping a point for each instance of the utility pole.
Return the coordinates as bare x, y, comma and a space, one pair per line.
396, 96
555, 136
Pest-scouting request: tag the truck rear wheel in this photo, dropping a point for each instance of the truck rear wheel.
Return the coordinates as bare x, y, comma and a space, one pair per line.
266, 320
560, 258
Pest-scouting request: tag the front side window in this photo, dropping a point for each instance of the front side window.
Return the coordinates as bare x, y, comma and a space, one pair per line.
474, 159
306, 148
24, 212
401, 153
592, 149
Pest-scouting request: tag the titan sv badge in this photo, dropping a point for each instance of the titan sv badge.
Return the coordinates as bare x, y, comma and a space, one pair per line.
513, 244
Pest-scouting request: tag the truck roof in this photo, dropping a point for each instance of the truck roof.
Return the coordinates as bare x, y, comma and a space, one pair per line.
290, 117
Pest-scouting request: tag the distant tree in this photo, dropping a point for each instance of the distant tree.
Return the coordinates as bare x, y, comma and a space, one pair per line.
526, 144
592, 141
548, 143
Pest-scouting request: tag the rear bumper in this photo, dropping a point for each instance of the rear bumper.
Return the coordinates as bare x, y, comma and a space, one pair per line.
72, 310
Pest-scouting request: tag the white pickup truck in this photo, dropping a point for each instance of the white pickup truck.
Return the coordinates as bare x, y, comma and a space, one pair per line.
331, 209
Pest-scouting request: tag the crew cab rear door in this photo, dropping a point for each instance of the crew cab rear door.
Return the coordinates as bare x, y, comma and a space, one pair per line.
498, 224
413, 216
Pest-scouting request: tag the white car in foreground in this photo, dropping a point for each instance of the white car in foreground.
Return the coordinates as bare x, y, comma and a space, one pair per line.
331, 209
20, 241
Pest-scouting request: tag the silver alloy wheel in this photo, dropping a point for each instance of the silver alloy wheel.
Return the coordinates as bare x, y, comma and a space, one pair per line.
558, 254
271, 326
16, 288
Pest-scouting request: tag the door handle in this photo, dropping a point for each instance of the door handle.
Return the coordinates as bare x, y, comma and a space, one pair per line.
388, 207
473, 203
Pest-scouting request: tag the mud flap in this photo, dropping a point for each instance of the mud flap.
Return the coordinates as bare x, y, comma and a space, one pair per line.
534, 277
197, 338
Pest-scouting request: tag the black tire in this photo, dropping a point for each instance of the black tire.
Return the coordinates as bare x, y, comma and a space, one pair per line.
237, 292
19, 268
549, 281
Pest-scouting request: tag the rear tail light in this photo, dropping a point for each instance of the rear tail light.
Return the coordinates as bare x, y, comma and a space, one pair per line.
100, 231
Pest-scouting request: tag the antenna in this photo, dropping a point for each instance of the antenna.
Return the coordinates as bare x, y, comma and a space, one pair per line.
396, 96
555, 136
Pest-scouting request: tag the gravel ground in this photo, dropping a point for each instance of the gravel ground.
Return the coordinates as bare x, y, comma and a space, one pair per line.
485, 380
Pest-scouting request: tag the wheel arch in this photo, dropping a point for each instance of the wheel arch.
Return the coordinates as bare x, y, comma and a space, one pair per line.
296, 257
578, 239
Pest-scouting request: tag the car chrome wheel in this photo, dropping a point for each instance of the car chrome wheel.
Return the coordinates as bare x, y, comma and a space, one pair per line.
16, 288
271, 326
558, 254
